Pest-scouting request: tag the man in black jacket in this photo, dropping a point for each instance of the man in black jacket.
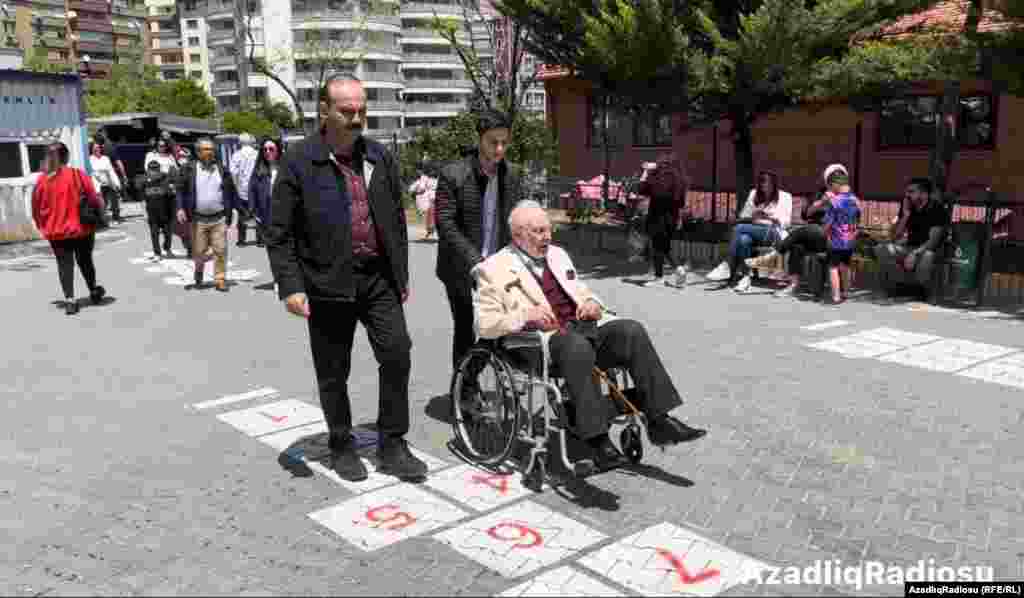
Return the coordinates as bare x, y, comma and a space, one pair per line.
338, 247
473, 200
206, 199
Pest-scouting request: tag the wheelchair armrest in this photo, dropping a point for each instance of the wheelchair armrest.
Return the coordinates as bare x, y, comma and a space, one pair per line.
518, 341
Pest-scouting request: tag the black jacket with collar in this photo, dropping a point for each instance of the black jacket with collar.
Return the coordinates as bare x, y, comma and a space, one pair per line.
459, 204
309, 236
186, 195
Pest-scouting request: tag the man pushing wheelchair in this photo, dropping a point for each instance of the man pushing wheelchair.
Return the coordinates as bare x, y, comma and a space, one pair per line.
532, 285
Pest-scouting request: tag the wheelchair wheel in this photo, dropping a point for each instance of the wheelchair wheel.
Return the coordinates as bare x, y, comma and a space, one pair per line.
485, 408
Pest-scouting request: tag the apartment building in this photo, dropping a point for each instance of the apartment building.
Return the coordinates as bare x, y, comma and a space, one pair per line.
412, 76
87, 36
165, 41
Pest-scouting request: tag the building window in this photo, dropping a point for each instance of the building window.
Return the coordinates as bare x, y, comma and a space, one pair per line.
36, 155
196, 58
196, 74
616, 121
193, 24
10, 160
652, 129
193, 42
909, 122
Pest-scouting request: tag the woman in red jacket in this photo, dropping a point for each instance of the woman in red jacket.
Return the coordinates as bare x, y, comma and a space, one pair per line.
55, 204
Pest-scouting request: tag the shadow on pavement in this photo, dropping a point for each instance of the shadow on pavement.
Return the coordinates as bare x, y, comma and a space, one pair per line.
85, 302
440, 408
267, 286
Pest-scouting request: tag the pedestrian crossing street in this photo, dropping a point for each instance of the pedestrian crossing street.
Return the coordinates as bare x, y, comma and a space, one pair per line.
488, 518
966, 358
181, 271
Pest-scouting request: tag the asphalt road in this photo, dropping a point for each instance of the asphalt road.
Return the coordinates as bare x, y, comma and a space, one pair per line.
897, 440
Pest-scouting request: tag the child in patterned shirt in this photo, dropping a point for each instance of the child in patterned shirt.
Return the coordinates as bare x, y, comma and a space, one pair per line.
840, 224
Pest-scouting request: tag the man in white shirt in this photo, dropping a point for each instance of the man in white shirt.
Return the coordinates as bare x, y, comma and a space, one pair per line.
242, 163
206, 198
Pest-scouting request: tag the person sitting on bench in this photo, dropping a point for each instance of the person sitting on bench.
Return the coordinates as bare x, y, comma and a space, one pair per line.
763, 221
924, 221
532, 285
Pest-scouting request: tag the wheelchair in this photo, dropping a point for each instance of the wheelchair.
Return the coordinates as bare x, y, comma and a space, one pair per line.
495, 404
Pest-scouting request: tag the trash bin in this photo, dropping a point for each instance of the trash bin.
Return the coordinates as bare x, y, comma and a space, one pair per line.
967, 238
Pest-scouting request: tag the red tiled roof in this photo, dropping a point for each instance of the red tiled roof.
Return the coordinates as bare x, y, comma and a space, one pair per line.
551, 71
946, 17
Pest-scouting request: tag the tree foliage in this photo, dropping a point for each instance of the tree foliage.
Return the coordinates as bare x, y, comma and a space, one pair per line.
279, 114
244, 121
129, 89
533, 145
37, 61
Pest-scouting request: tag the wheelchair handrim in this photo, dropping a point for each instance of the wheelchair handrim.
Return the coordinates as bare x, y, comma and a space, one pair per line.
509, 424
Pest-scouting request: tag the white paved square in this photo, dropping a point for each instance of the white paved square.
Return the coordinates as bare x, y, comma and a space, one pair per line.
384, 517
274, 417
563, 581
854, 347
892, 336
947, 355
825, 325
284, 440
667, 560
520, 539
478, 489
1008, 371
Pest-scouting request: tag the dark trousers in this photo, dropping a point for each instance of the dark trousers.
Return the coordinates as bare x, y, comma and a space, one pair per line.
661, 251
332, 326
460, 300
155, 228
801, 242
113, 200
69, 251
620, 343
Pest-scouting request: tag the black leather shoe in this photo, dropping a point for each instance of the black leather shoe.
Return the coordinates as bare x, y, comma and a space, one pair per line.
347, 464
668, 430
71, 307
396, 459
97, 294
606, 456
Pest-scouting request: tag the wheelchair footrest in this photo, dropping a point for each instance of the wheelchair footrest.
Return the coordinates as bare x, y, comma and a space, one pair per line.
584, 468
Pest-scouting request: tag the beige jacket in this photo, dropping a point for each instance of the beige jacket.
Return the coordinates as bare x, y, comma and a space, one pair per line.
507, 289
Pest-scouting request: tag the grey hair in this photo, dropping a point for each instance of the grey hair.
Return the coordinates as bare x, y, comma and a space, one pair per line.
523, 205
246, 139
206, 141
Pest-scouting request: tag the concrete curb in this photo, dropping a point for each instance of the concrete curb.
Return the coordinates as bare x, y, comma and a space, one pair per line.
13, 251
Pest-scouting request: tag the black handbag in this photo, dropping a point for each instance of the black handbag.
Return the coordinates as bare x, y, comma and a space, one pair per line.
88, 214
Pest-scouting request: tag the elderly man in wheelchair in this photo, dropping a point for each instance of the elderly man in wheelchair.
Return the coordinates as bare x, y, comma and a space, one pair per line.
529, 299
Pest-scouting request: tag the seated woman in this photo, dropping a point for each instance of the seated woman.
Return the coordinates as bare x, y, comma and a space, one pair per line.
533, 285
806, 239
766, 214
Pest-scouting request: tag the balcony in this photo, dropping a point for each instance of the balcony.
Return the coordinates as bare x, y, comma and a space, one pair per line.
167, 34
51, 3
451, 10
197, 11
224, 86
424, 57
220, 35
312, 17
223, 61
96, 6
94, 25
414, 84
430, 34
380, 77
172, 66
125, 30
87, 47
220, 14
54, 42
169, 45
430, 107
58, 22
384, 106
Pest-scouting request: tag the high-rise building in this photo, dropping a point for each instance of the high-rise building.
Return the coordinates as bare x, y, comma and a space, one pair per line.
87, 36
412, 75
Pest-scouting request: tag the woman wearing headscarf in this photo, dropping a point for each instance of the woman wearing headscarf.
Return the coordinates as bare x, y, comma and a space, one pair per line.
261, 184
666, 186
56, 212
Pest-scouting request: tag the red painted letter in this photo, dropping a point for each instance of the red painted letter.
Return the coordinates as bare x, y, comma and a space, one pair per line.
521, 533
494, 480
684, 575
402, 518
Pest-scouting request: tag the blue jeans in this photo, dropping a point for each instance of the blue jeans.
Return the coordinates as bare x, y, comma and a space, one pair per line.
745, 236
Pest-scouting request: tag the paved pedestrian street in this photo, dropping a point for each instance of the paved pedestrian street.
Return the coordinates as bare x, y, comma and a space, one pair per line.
170, 442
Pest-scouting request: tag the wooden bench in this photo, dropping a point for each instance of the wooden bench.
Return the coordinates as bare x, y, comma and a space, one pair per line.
810, 260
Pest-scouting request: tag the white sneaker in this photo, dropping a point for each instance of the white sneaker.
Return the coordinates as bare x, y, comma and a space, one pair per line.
743, 285
720, 273
681, 274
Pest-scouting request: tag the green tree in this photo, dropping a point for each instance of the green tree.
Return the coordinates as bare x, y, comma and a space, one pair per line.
731, 60
37, 61
245, 121
279, 114
533, 145
127, 89
186, 98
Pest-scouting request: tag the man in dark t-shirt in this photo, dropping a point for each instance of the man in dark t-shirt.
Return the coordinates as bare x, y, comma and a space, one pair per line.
924, 221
